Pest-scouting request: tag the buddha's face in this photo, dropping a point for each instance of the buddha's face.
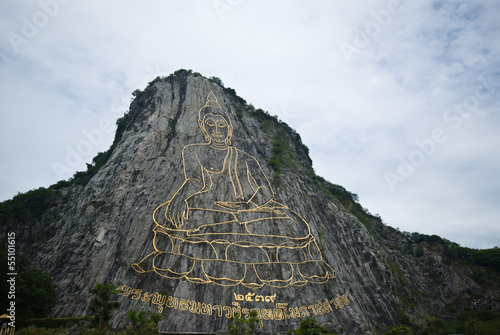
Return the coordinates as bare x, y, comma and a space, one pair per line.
216, 127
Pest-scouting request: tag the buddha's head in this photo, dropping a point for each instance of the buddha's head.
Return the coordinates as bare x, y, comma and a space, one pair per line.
215, 123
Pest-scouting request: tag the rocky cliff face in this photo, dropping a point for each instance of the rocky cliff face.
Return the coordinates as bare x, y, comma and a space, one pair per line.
261, 232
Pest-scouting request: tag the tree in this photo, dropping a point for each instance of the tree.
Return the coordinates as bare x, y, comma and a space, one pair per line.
100, 306
310, 326
144, 322
37, 294
216, 80
402, 330
253, 321
31, 284
238, 325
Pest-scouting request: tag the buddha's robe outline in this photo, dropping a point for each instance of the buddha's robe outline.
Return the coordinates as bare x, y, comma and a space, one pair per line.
265, 243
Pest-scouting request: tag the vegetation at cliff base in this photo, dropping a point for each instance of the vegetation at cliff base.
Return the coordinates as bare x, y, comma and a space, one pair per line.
101, 307
144, 323
485, 322
402, 330
31, 285
239, 326
139, 322
310, 326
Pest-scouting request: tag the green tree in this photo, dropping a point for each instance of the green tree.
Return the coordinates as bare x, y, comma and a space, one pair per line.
402, 330
236, 325
310, 326
144, 322
34, 285
100, 307
239, 325
216, 80
253, 321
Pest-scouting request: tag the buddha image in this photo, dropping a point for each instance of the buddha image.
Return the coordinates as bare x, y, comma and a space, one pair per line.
223, 225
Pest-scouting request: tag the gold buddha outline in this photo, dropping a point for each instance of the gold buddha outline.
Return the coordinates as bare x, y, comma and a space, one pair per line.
232, 242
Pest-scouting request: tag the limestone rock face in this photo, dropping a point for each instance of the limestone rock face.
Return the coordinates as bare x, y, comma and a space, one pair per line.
256, 236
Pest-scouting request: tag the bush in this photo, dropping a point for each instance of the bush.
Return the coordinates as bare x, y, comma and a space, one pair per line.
238, 325
310, 326
50, 322
143, 322
100, 307
217, 81
403, 330
39, 331
35, 285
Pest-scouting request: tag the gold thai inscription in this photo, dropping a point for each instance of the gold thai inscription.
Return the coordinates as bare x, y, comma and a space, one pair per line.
279, 311
250, 297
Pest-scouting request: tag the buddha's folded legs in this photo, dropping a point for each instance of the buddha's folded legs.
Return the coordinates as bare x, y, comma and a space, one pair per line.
273, 247
231, 273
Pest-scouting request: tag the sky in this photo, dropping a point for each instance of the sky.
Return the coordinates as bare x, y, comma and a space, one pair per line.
397, 100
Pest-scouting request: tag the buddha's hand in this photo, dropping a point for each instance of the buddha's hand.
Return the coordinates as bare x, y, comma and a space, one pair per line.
235, 206
177, 212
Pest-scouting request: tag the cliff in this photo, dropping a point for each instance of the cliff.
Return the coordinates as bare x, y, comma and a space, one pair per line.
261, 231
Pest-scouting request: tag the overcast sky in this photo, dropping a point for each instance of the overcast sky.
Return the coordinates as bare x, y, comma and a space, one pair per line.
397, 100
